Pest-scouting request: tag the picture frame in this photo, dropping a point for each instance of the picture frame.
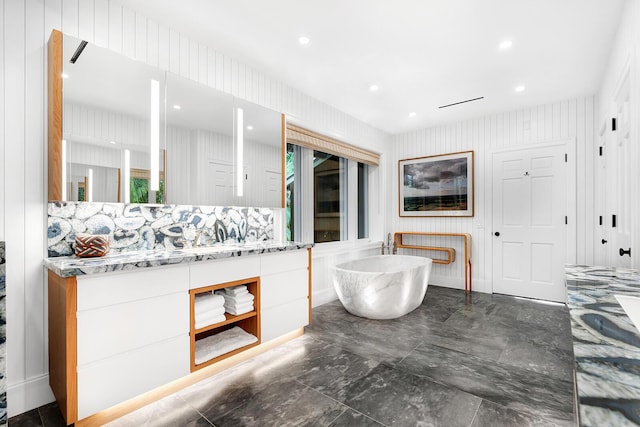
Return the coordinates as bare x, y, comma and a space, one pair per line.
436, 186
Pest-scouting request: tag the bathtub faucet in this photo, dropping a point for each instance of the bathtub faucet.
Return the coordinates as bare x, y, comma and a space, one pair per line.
391, 249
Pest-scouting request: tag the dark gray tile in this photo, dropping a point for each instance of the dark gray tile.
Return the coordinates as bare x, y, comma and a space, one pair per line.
170, 411
545, 359
283, 403
351, 418
512, 387
490, 414
28, 419
398, 398
51, 415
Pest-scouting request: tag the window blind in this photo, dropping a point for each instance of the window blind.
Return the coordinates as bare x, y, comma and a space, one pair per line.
315, 141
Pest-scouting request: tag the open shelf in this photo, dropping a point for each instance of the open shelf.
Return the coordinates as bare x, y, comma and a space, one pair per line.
249, 322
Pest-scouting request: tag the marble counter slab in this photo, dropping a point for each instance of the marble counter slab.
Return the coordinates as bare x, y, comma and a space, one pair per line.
68, 266
606, 345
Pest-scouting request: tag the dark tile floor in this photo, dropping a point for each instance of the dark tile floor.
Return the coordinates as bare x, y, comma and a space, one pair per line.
478, 360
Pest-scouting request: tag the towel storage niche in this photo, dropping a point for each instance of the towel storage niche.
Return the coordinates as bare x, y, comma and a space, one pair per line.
207, 337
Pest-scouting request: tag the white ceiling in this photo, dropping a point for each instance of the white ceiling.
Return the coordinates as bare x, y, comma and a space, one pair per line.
421, 53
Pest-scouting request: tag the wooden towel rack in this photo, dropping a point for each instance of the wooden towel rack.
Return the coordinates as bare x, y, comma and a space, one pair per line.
451, 253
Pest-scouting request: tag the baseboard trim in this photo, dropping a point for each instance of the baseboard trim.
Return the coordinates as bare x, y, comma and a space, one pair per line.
324, 296
28, 395
483, 286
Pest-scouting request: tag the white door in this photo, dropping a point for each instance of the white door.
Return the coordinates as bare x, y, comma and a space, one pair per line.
529, 208
219, 188
602, 243
619, 180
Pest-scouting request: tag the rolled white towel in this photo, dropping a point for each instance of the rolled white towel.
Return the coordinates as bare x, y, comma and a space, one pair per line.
237, 310
209, 320
240, 299
208, 301
221, 343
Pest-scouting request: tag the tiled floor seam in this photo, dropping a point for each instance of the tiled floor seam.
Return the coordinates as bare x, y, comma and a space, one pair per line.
341, 403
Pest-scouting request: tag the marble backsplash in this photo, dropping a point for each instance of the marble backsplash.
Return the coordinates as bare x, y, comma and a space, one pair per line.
3, 337
134, 227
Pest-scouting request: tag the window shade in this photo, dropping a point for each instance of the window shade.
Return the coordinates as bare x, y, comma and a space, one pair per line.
315, 141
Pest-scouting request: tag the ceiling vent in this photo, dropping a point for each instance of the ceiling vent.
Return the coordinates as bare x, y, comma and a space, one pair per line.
78, 51
461, 102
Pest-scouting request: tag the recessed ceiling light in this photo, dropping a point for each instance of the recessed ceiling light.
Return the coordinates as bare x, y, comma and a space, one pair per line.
64, 75
373, 88
505, 44
520, 88
112, 142
249, 127
412, 114
304, 40
176, 107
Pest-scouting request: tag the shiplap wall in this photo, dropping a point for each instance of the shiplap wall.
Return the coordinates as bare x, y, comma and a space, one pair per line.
26, 26
569, 119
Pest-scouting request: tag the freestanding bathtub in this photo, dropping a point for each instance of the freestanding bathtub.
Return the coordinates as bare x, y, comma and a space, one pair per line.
382, 286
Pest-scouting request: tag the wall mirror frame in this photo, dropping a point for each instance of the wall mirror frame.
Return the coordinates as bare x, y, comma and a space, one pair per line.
187, 177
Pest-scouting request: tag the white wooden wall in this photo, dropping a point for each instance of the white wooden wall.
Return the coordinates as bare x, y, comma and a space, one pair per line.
574, 118
26, 26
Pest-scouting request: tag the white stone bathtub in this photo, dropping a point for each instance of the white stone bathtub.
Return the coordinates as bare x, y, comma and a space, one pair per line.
382, 286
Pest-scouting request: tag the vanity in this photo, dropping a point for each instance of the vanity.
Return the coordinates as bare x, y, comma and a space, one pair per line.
606, 345
123, 327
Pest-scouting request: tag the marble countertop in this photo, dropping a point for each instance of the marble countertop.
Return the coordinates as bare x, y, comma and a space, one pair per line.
68, 266
606, 345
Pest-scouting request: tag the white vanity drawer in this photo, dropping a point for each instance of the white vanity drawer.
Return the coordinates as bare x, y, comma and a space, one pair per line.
281, 319
119, 378
283, 261
101, 290
224, 270
280, 288
115, 329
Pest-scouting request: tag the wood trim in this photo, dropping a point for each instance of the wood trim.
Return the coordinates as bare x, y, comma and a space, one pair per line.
121, 409
468, 279
54, 116
309, 267
63, 353
119, 184
315, 141
250, 322
284, 160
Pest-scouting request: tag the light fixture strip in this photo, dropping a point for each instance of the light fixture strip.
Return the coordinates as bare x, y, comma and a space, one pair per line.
89, 189
239, 152
64, 169
127, 176
154, 133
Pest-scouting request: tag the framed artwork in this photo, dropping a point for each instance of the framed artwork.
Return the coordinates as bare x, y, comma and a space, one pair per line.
439, 185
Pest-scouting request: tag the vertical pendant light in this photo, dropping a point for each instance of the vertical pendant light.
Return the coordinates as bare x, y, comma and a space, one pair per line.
64, 169
154, 133
239, 152
127, 176
89, 189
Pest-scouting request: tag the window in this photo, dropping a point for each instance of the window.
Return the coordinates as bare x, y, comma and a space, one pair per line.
329, 197
363, 200
327, 187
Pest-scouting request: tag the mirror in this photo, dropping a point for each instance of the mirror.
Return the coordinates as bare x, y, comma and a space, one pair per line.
113, 119
107, 131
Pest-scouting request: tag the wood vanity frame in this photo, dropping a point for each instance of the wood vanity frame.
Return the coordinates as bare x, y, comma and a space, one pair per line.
397, 239
250, 321
54, 116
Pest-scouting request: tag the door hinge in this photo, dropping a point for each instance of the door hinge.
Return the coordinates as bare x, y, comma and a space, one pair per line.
565, 157
566, 220
600, 219
613, 124
601, 150
613, 221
